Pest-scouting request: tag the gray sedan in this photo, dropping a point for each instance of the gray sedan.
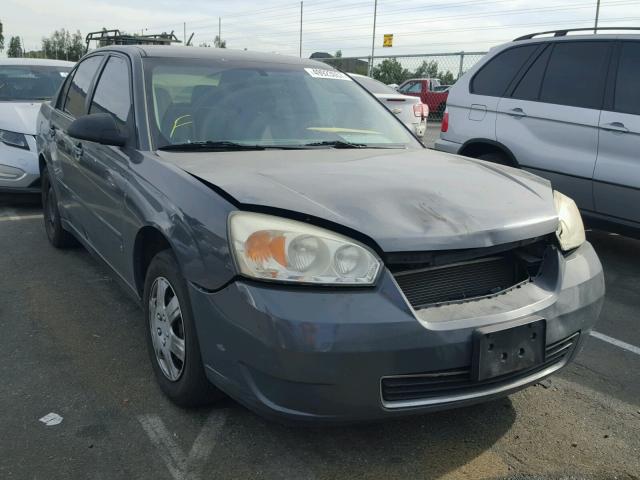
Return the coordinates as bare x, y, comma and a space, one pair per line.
295, 247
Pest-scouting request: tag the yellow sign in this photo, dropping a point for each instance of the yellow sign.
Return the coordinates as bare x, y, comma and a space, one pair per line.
388, 40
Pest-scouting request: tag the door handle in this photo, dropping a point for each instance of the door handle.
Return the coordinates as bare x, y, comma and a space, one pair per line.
615, 127
517, 112
77, 151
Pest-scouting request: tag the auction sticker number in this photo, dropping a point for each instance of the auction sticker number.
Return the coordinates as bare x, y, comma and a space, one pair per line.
325, 73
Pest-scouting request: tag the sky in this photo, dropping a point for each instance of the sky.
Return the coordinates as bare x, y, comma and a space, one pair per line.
418, 26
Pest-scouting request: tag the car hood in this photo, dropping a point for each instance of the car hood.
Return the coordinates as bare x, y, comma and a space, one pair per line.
405, 200
19, 117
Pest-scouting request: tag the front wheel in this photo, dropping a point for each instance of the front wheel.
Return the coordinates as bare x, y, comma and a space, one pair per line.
172, 339
57, 235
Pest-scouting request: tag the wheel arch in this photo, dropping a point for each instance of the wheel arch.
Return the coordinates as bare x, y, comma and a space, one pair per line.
479, 146
149, 241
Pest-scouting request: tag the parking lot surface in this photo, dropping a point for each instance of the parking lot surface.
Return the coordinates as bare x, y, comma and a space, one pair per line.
73, 345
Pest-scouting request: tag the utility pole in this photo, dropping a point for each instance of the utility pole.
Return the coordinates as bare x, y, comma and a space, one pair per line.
301, 6
184, 28
373, 40
219, 31
595, 27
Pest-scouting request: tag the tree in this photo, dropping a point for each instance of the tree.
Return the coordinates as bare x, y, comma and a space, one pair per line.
427, 70
204, 44
338, 54
390, 71
219, 43
430, 70
447, 78
15, 47
1, 38
63, 45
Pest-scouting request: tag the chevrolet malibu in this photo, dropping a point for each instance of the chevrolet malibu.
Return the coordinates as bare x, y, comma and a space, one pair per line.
295, 247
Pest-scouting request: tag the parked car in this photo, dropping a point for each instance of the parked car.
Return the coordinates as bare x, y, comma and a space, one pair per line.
428, 90
24, 85
410, 110
294, 246
564, 107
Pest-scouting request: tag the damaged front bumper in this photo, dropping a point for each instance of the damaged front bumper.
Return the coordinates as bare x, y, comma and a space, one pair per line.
334, 355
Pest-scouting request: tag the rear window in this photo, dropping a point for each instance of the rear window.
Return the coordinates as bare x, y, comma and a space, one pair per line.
529, 87
374, 86
576, 74
494, 78
627, 97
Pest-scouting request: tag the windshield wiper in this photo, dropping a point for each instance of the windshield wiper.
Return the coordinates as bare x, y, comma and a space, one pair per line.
221, 146
343, 144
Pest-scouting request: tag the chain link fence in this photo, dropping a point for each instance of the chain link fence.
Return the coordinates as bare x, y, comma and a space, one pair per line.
393, 70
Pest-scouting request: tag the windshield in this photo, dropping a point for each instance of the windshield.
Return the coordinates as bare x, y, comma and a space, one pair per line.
30, 82
374, 86
264, 104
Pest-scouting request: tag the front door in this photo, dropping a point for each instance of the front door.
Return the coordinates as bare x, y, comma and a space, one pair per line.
104, 168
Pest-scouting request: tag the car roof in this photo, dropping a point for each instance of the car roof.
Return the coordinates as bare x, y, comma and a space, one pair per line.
36, 61
181, 51
569, 38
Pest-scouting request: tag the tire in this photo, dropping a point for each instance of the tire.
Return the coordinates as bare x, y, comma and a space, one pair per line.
496, 157
57, 235
172, 340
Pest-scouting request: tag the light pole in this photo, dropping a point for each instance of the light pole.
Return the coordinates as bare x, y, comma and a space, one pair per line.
373, 39
301, 6
595, 27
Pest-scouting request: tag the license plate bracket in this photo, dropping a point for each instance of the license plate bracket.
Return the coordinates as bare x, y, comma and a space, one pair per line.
499, 351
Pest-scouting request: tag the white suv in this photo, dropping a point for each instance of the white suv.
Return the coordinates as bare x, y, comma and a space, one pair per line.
565, 107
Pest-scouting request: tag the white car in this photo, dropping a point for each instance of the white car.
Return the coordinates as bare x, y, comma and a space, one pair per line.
24, 85
410, 110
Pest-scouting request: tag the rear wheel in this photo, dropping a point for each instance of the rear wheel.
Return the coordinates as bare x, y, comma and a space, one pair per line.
172, 338
57, 235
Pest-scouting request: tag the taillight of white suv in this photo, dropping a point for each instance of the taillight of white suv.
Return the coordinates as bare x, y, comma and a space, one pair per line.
445, 121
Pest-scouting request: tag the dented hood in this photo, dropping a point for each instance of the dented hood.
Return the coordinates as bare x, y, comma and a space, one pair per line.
19, 117
405, 200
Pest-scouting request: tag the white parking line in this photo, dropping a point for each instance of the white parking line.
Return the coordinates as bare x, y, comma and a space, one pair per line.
618, 343
17, 218
184, 465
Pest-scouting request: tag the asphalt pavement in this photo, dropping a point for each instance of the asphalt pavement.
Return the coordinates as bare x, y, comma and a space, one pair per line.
72, 345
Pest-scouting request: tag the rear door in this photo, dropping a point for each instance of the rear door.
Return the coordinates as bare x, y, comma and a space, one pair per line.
472, 115
549, 120
72, 105
104, 168
617, 174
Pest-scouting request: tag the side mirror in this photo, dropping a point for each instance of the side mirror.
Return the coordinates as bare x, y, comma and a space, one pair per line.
97, 127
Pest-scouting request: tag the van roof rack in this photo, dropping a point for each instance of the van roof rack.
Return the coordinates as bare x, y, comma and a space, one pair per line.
106, 37
563, 32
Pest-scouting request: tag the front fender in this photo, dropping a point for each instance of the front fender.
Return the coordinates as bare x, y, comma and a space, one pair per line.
191, 217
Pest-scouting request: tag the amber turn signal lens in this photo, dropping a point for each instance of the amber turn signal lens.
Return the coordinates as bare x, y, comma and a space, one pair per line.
263, 245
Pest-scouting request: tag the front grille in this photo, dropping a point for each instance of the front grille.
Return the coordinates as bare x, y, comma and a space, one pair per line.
438, 278
447, 383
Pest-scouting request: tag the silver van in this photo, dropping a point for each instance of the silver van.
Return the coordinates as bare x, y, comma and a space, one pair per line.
565, 107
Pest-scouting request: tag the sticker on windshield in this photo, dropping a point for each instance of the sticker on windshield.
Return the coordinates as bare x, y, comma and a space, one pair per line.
326, 73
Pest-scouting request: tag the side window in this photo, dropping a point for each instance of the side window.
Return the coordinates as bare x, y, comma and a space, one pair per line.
576, 74
62, 95
494, 77
529, 86
112, 94
627, 96
413, 87
79, 86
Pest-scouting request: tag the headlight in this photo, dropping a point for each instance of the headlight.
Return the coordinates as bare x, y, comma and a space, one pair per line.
13, 139
570, 231
274, 248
